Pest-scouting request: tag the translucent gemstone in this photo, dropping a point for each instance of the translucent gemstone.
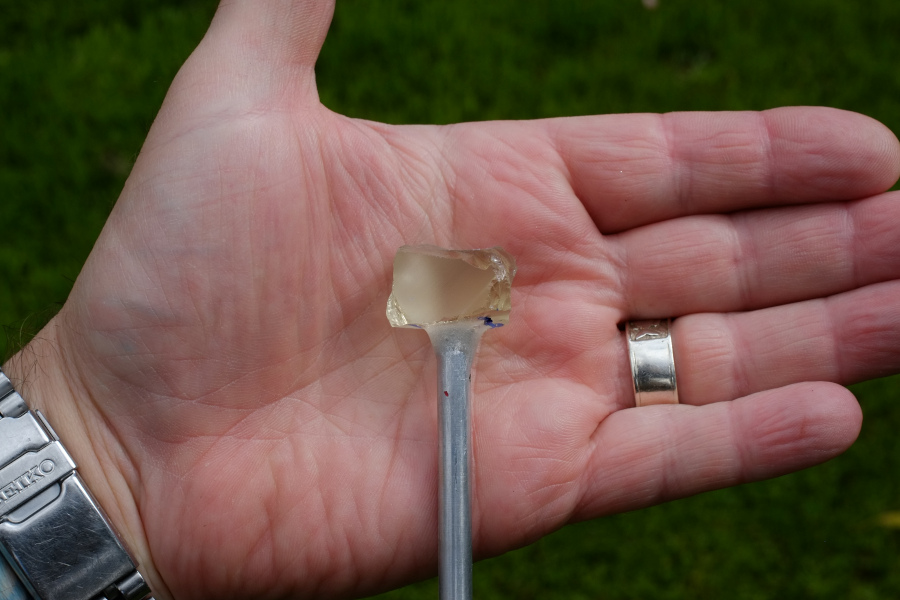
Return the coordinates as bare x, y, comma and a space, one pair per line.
436, 285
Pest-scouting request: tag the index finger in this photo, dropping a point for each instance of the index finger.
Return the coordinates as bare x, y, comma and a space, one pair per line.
630, 170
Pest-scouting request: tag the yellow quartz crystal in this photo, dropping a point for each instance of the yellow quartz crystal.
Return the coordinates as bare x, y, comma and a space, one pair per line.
436, 285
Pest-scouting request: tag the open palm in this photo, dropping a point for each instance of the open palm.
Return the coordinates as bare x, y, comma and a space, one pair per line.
244, 411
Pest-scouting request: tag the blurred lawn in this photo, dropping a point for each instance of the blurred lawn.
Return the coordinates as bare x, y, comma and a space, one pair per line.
80, 84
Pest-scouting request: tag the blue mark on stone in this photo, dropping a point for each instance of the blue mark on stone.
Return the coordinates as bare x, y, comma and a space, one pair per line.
490, 322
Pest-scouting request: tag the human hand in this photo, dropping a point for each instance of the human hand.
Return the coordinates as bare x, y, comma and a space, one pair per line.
224, 372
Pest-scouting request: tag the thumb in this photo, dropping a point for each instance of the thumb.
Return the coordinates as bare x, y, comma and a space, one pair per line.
259, 52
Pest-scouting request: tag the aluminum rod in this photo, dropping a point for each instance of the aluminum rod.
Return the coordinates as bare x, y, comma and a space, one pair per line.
455, 345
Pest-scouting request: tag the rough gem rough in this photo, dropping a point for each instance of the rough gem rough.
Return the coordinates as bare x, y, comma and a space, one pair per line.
436, 285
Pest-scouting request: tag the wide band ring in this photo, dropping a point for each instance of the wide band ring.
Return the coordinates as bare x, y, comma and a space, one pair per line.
652, 362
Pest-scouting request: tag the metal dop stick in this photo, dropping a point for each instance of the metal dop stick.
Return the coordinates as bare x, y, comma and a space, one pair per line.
455, 345
454, 295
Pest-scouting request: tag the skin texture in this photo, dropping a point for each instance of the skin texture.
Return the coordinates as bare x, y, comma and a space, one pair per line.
225, 375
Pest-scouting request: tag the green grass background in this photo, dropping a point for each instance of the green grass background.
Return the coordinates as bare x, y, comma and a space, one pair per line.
80, 84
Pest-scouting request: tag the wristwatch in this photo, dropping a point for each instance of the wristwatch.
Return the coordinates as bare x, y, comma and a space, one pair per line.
52, 532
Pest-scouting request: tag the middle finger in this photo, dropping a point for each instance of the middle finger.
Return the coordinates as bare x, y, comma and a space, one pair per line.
751, 260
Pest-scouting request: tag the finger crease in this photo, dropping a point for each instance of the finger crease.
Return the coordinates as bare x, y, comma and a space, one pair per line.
680, 177
739, 377
744, 258
769, 154
833, 324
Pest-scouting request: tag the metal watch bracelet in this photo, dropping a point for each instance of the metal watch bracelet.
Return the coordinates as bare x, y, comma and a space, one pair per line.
52, 532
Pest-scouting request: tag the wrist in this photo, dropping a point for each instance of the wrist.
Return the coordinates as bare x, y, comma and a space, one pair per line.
43, 377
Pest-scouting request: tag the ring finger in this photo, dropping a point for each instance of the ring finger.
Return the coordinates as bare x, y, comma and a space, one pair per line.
844, 339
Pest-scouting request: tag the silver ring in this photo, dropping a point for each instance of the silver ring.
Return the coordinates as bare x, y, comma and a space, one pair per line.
652, 362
